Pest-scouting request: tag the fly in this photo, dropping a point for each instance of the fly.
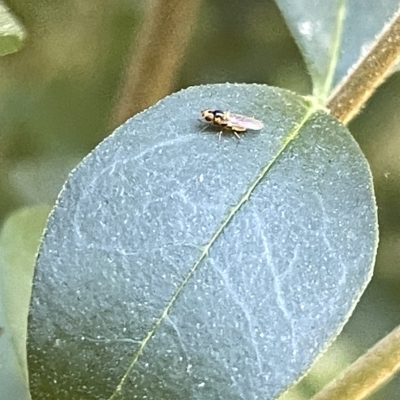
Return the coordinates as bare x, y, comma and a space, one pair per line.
234, 123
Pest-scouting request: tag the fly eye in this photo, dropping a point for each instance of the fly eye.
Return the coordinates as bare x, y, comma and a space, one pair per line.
207, 115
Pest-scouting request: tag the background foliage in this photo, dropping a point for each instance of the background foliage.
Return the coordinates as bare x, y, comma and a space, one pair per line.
57, 94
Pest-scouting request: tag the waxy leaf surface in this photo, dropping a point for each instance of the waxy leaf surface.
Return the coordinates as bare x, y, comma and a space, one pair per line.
179, 266
333, 35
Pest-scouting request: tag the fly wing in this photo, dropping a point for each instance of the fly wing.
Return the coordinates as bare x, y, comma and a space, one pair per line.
245, 122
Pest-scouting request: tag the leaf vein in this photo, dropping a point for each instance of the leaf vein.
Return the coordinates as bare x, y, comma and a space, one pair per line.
205, 250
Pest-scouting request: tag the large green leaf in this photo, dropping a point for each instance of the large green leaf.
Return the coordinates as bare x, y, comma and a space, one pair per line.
12, 32
178, 266
334, 34
19, 242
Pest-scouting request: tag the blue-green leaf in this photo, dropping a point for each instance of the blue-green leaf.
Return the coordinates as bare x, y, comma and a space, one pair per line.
179, 266
333, 35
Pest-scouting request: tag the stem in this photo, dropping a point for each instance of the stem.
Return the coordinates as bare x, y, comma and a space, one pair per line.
357, 87
159, 49
368, 373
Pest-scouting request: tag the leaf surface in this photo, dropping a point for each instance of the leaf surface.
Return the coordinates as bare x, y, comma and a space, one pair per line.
179, 266
333, 35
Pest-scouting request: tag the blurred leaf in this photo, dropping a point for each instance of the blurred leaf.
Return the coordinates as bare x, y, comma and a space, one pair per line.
19, 241
178, 266
39, 180
333, 35
12, 32
327, 368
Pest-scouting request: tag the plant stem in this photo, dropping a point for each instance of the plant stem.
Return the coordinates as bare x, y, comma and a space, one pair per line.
356, 88
368, 373
159, 49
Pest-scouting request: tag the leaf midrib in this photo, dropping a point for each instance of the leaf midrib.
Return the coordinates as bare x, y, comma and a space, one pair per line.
310, 110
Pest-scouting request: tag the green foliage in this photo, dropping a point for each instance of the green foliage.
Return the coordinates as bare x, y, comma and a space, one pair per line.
12, 32
19, 242
333, 35
139, 256
216, 257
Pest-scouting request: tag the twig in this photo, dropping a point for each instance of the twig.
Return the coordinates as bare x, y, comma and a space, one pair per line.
356, 88
368, 373
159, 48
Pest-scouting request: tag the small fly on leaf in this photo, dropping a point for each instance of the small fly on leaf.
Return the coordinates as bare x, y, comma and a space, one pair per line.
234, 123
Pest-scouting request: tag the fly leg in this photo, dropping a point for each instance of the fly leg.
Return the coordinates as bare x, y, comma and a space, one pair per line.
235, 133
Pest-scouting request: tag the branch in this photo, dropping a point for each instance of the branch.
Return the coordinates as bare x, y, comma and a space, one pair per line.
368, 373
159, 49
357, 87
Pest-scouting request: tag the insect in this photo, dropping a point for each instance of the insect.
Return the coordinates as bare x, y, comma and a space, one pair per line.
235, 123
